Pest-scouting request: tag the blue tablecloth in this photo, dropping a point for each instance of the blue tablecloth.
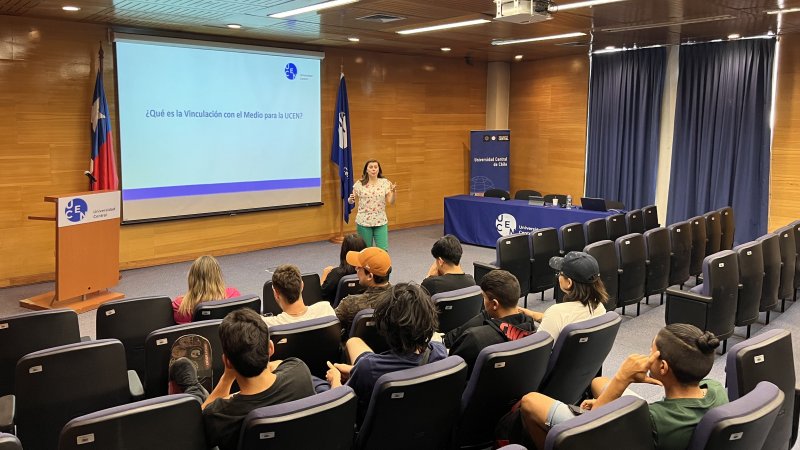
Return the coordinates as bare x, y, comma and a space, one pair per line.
481, 220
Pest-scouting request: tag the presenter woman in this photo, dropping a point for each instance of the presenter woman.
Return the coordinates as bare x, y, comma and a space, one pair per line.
373, 193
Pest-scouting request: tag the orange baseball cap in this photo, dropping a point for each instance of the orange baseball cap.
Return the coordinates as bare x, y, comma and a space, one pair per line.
374, 259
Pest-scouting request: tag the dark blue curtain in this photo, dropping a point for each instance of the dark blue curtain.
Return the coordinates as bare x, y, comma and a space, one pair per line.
720, 150
624, 124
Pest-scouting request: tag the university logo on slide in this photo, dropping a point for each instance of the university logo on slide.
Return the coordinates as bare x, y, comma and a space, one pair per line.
291, 71
76, 210
506, 224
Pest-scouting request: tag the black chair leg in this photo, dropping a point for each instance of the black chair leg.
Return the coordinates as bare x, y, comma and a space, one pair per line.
724, 347
662, 298
646, 299
681, 286
542, 295
783, 304
638, 305
623, 310
767, 321
748, 332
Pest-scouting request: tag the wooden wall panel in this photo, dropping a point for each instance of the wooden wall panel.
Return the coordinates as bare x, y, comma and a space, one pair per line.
413, 113
785, 171
547, 118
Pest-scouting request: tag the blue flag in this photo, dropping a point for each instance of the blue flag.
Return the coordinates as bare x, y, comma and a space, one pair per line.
341, 150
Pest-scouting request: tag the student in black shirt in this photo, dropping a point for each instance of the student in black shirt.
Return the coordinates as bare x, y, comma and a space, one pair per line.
445, 273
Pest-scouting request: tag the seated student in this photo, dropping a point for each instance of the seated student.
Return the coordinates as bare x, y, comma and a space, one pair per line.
584, 293
331, 275
406, 318
500, 321
373, 267
205, 284
680, 357
445, 273
287, 285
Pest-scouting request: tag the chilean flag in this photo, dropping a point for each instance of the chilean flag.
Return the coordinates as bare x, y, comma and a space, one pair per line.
103, 165
341, 149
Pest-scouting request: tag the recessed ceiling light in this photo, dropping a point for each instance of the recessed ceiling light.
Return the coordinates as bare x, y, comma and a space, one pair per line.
582, 4
234, 26
316, 7
444, 26
518, 57
70, 8
353, 39
734, 36
446, 49
783, 11
536, 39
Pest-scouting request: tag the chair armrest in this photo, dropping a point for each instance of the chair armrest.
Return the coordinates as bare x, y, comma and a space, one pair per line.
796, 413
135, 386
7, 412
687, 307
686, 295
481, 269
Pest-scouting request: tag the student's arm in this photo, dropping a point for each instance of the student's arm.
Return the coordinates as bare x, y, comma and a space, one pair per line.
535, 315
633, 370
223, 387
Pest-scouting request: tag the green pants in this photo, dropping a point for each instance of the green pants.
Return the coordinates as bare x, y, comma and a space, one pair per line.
380, 234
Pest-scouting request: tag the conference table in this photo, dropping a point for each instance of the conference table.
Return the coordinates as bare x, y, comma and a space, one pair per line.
482, 220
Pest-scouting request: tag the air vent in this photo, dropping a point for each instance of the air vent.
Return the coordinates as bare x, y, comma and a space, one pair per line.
381, 18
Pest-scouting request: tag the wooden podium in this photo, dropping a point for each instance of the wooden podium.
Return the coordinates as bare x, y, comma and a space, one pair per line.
87, 251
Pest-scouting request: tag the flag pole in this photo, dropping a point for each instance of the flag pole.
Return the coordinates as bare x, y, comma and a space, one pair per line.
339, 238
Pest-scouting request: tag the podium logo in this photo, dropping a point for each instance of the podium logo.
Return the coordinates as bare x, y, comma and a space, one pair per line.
76, 210
291, 71
506, 224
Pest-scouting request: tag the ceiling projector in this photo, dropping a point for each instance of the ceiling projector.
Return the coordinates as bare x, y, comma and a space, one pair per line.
523, 11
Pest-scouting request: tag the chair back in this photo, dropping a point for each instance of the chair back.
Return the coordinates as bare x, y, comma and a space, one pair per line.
24, 333
324, 420
561, 199
796, 228
624, 421
348, 285
544, 245
312, 293
172, 421
514, 255
616, 226
680, 243
615, 204
314, 341
497, 193
698, 226
728, 226
713, 232
771, 249
742, 424
158, 350
9, 442
364, 327
606, 256
634, 221
571, 238
578, 356
657, 248
525, 194
502, 374
766, 357
595, 230
650, 216
400, 413
788, 253
721, 284
218, 309
632, 261
751, 280
60, 383
457, 307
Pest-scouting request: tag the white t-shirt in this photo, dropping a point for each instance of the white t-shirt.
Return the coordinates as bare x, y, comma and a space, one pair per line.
314, 311
560, 315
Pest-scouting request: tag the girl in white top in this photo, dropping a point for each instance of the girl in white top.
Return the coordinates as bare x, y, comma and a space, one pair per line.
373, 192
584, 293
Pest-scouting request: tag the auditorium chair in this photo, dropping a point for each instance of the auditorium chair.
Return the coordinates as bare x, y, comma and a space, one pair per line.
616, 226
571, 239
728, 226
698, 227
363, 327
60, 383
24, 333
751, 279
9, 442
713, 232
680, 244
218, 309
621, 423
742, 424
788, 252
414, 408
456, 307
657, 250
650, 216
158, 350
525, 194
497, 193
634, 221
615, 205
322, 421
767, 356
595, 230
606, 256
578, 356
171, 421
770, 249
796, 228
710, 306
502, 374
544, 245
513, 253
314, 341
348, 285
632, 262
561, 199
311, 293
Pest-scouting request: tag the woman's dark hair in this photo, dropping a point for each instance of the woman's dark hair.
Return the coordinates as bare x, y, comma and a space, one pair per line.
365, 177
589, 294
688, 351
406, 317
448, 248
351, 243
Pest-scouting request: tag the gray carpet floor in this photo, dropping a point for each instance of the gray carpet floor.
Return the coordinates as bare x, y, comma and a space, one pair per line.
410, 252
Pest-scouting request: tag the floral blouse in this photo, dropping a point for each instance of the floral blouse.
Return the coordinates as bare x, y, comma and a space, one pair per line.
372, 203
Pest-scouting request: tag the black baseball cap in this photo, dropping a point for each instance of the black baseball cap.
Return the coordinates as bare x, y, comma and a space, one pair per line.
578, 266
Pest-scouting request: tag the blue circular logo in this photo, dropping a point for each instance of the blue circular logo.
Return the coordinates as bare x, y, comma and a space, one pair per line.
291, 71
76, 210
